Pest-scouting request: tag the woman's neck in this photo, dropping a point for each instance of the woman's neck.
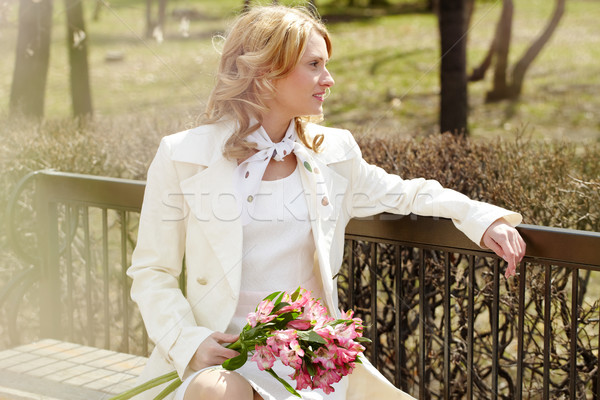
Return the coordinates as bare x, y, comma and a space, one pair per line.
275, 128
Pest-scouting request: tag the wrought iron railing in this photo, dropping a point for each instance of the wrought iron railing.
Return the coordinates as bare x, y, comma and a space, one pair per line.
444, 322
448, 325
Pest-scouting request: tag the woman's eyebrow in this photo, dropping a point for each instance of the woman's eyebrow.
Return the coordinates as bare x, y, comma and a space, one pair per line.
315, 57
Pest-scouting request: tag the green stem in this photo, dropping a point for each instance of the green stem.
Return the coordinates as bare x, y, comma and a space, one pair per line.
288, 387
145, 386
237, 345
166, 391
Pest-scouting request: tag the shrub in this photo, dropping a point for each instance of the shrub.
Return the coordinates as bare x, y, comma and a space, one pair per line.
550, 183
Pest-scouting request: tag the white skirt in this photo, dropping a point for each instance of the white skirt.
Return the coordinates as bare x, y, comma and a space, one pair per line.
269, 388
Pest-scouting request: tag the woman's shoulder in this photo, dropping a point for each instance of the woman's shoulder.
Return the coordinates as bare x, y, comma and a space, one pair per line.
198, 145
338, 144
206, 133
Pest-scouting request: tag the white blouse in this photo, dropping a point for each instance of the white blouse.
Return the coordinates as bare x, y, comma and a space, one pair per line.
278, 246
278, 255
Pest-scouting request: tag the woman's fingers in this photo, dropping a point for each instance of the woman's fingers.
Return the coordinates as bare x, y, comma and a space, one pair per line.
506, 242
212, 352
224, 337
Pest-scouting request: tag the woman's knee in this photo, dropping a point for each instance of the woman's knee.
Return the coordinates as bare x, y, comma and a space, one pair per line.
219, 385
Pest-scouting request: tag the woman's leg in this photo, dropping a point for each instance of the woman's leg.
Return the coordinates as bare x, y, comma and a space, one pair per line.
220, 385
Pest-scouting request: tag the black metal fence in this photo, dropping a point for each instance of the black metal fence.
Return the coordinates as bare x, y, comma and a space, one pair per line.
443, 320
446, 323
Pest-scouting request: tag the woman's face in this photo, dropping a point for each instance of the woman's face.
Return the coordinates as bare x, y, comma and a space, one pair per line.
302, 92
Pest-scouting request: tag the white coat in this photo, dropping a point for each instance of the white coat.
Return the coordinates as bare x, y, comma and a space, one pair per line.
189, 208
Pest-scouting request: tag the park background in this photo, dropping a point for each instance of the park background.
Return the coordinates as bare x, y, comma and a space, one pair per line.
386, 60
537, 154
386, 63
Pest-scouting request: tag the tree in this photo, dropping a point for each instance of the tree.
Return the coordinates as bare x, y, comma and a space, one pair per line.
505, 85
32, 57
156, 28
452, 16
79, 71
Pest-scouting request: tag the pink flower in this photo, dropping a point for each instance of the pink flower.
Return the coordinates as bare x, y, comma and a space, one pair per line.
281, 339
348, 355
315, 312
302, 378
299, 324
326, 331
292, 354
263, 357
301, 301
346, 369
344, 333
324, 379
325, 356
262, 314
348, 315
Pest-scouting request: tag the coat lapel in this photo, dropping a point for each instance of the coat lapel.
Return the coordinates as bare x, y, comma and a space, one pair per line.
324, 228
211, 197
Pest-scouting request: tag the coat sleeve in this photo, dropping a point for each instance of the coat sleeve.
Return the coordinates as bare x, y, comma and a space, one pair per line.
375, 191
157, 263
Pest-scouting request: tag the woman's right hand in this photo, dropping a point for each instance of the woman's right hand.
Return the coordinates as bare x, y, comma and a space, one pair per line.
212, 352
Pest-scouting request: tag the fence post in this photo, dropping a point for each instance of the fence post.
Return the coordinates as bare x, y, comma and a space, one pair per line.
48, 241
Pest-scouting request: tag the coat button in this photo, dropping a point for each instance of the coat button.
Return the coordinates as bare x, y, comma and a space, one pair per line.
201, 281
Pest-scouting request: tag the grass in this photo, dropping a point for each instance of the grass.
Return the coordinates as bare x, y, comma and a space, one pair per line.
386, 68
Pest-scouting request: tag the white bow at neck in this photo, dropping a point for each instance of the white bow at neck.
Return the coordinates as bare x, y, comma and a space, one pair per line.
249, 173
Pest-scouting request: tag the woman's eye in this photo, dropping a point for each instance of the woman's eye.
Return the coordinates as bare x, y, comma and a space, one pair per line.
314, 63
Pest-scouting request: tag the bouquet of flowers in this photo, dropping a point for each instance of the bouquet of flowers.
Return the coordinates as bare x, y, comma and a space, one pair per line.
296, 329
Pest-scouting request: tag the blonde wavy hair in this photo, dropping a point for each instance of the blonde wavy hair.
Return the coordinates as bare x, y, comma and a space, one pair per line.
264, 44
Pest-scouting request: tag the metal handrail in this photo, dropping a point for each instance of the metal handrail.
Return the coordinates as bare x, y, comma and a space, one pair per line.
548, 245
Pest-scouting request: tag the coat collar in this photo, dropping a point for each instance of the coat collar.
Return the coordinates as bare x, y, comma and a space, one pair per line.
204, 144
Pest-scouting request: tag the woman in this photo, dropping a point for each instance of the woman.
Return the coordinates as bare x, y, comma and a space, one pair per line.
257, 198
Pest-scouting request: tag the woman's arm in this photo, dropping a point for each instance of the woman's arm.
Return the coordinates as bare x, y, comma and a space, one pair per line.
157, 263
375, 191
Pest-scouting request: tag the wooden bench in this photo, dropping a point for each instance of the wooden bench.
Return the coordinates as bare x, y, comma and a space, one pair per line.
53, 369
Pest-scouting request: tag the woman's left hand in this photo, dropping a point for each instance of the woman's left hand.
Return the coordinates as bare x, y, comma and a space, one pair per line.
506, 242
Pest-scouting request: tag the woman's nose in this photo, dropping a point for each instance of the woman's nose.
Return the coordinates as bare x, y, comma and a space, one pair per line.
327, 79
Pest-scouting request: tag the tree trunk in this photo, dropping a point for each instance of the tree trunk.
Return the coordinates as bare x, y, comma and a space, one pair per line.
97, 9
478, 73
525, 62
78, 62
453, 35
501, 88
469, 9
162, 15
510, 87
378, 3
149, 21
32, 57
430, 6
